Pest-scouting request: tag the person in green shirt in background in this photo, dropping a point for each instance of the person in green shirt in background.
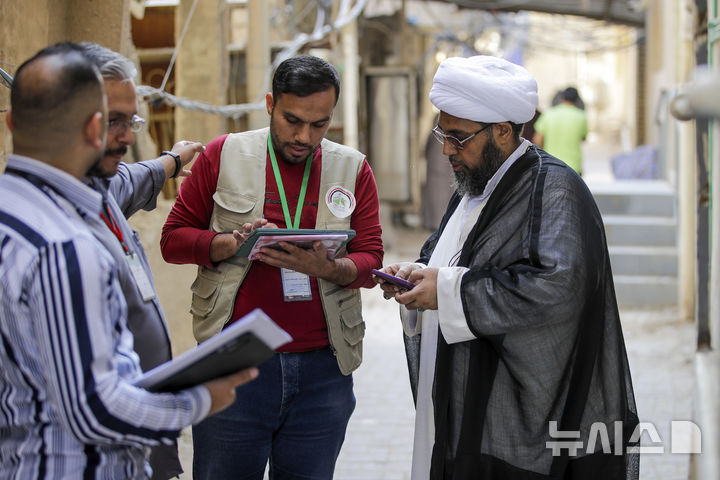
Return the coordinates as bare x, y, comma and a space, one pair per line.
561, 130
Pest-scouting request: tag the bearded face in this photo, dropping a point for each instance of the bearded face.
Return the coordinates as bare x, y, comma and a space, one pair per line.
472, 180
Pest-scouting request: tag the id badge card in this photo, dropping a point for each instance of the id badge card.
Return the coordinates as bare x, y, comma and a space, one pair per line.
296, 286
141, 279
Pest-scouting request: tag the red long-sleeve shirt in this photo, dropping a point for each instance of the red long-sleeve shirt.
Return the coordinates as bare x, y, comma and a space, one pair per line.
186, 239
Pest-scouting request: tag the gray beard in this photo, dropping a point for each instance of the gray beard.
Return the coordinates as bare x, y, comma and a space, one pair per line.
473, 182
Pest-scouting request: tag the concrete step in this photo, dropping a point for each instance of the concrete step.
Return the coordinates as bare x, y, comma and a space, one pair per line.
635, 291
640, 230
635, 197
643, 260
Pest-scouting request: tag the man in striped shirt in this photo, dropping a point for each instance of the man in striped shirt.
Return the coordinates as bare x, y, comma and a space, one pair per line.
68, 408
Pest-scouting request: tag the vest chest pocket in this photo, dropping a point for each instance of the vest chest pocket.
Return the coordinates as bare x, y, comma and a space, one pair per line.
230, 205
205, 290
353, 327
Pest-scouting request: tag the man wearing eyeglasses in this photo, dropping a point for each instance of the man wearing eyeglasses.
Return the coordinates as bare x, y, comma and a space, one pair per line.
127, 188
514, 342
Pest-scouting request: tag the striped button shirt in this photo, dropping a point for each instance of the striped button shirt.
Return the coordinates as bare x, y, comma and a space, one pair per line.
67, 407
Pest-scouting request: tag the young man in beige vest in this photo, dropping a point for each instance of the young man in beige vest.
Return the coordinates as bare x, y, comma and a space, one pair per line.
292, 177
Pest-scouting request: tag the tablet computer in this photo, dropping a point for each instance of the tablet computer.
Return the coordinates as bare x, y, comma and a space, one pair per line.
333, 240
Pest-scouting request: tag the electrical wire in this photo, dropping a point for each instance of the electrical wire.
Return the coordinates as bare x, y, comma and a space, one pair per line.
177, 45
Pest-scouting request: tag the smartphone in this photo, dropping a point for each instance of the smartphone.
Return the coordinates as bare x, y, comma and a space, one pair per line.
400, 282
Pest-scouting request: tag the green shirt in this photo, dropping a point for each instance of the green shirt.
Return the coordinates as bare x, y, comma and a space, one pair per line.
563, 128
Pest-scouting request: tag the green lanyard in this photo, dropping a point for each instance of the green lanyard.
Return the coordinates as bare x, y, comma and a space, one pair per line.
281, 189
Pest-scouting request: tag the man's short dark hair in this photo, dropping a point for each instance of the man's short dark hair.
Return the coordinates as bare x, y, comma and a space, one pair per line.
571, 95
304, 75
52, 105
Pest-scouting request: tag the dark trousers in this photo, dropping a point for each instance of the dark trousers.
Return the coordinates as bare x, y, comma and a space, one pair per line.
294, 415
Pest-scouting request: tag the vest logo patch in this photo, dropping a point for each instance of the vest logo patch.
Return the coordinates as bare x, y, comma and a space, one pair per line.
340, 202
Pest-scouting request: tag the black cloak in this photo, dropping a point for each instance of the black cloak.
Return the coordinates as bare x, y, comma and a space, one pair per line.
539, 297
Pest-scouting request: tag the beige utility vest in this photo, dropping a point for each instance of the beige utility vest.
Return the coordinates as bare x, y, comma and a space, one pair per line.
240, 198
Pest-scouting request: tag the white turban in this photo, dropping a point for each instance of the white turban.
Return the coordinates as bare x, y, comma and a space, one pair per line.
484, 89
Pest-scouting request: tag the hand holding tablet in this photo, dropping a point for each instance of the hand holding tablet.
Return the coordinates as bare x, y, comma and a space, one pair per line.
334, 240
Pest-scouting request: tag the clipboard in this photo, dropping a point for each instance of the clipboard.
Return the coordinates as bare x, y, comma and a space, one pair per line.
246, 343
334, 240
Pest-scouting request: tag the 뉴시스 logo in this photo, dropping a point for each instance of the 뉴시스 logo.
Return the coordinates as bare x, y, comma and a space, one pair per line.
685, 437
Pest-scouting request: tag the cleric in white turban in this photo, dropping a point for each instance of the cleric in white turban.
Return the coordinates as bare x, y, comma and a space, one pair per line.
484, 89
512, 329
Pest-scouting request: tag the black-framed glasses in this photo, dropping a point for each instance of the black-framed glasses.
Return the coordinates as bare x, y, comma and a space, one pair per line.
455, 142
135, 124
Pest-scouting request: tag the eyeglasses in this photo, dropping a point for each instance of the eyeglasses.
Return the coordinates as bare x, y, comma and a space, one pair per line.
136, 124
455, 142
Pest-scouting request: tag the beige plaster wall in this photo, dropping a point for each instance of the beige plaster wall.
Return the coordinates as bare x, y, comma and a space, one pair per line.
29, 25
203, 65
25, 30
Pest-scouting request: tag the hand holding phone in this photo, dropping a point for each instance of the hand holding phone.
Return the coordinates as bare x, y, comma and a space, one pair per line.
397, 281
